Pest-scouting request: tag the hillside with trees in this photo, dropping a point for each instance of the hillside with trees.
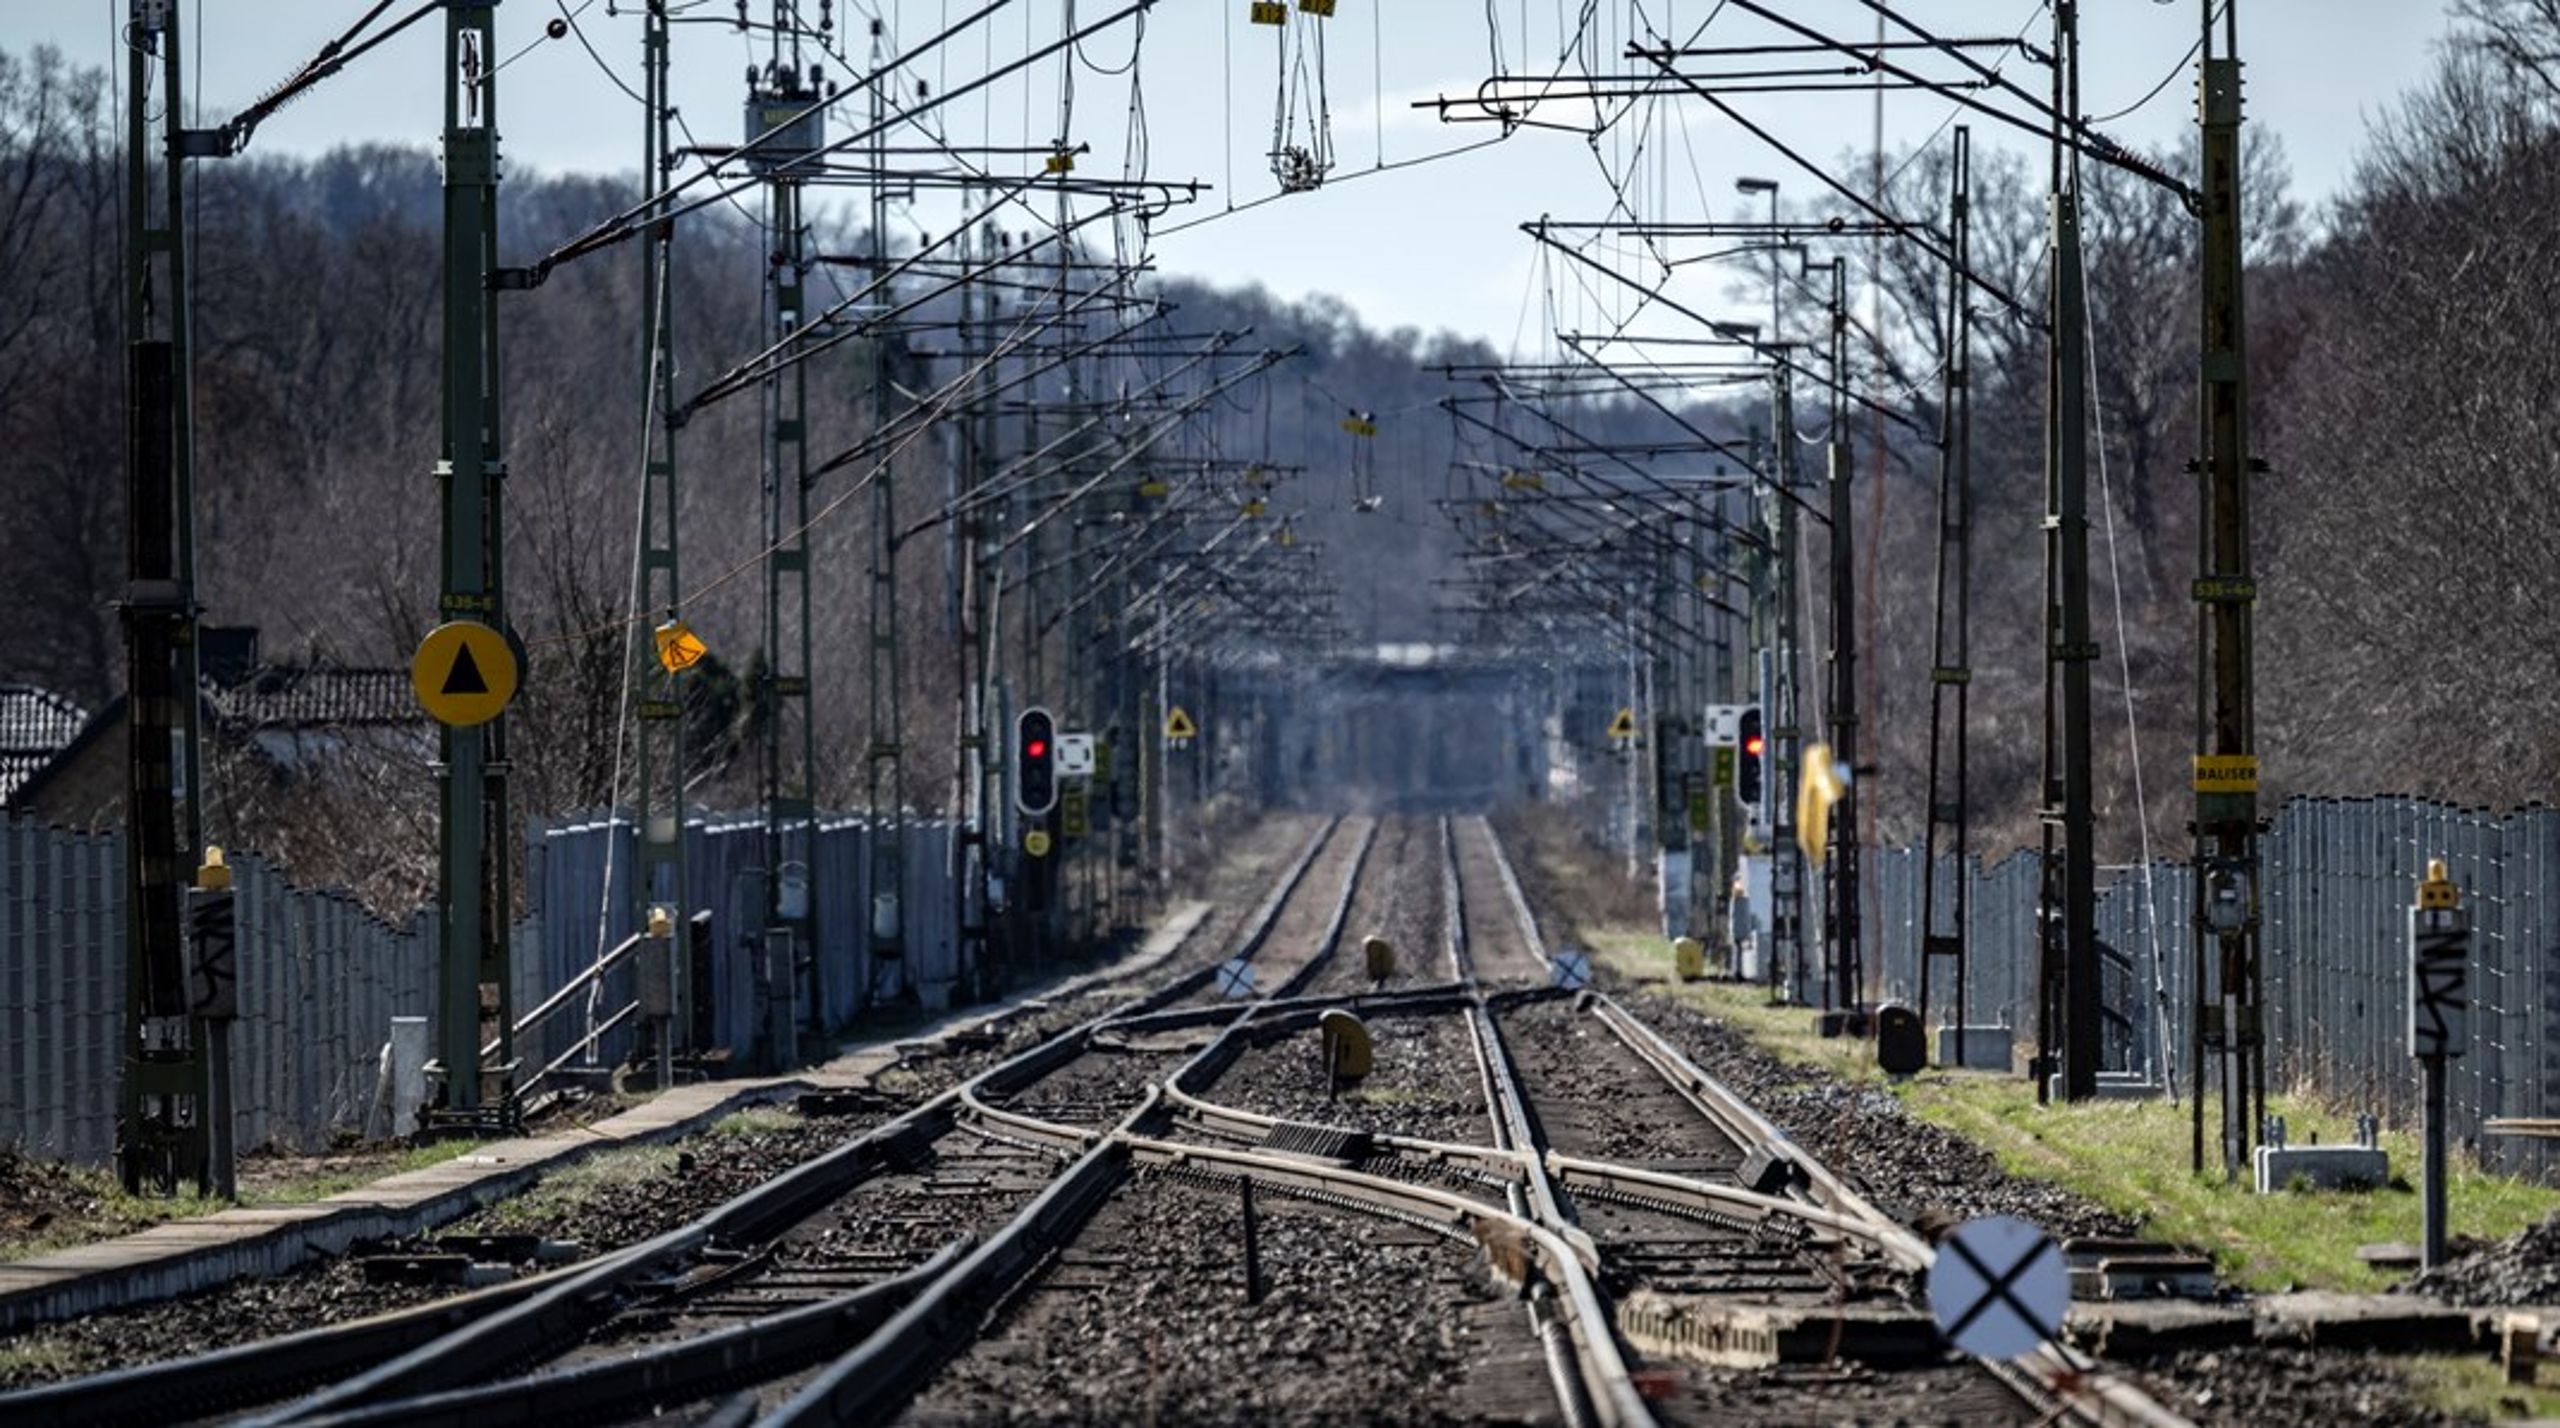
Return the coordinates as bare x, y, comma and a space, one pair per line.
2408, 555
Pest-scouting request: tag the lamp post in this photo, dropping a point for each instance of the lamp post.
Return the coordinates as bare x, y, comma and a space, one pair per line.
1748, 186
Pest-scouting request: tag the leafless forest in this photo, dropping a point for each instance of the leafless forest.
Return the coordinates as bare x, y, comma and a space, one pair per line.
2404, 337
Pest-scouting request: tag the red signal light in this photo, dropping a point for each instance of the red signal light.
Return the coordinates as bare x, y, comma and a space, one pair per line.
1037, 748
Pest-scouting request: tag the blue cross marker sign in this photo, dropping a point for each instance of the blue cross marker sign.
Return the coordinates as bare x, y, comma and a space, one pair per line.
1999, 1287
1235, 979
1570, 970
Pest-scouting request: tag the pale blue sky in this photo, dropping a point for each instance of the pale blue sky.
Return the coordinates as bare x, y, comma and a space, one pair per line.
1434, 246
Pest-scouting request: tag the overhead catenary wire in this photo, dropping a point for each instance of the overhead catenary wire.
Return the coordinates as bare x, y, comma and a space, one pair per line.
940, 403
633, 617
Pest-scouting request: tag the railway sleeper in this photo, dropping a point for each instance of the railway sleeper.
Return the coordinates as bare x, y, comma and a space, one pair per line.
1331, 1144
1720, 1333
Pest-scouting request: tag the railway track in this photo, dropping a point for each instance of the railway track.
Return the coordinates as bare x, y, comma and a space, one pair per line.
1597, 1231
418, 1355
1704, 1225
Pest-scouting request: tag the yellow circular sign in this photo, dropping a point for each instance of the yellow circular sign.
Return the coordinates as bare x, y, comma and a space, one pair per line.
1036, 842
464, 673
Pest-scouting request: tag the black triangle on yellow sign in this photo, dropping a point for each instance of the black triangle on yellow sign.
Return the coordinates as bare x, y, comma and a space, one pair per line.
1624, 726
465, 678
464, 673
1178, 725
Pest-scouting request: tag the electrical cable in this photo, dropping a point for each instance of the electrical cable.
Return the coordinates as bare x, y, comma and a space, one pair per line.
632, 618
2165, 80
2124, 670
940, 405
1269, 198
571, 17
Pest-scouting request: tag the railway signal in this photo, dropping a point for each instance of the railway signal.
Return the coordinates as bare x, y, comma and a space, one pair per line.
1035, 761
1750, 757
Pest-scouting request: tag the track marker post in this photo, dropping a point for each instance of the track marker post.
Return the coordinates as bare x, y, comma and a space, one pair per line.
2439, 1024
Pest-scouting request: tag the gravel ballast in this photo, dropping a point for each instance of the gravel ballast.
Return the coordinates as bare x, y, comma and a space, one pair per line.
1144, 1319
1919, 1173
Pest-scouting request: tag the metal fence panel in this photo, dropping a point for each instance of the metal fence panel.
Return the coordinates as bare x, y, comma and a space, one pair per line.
317, 978
2337, 878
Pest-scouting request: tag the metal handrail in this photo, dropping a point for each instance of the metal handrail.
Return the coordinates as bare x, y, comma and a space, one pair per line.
590, 1039
557, 999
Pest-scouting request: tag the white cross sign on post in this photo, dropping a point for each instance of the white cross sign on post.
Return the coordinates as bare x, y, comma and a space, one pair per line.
1999, 1287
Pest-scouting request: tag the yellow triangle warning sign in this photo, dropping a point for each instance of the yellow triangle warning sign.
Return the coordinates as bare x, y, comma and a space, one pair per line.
679, 648
1178, 725
464, 673
1624, 726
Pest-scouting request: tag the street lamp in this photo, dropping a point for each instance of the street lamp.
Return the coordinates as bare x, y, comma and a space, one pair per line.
1747, 186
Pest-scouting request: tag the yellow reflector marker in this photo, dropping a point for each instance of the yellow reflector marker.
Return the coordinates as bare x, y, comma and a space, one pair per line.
1818, 786
2437, 892
1347, 1053
1380, 956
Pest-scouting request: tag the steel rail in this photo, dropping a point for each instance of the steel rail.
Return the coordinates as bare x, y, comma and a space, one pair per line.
883, 1372
568, 1312
619, 1389
148, 1395
564, 1314
1597, 1359
1436, 996
1515, 1130
334, 1357
420, 1379
2055, 1373
1294, 1011
885, 1369
1331, 939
